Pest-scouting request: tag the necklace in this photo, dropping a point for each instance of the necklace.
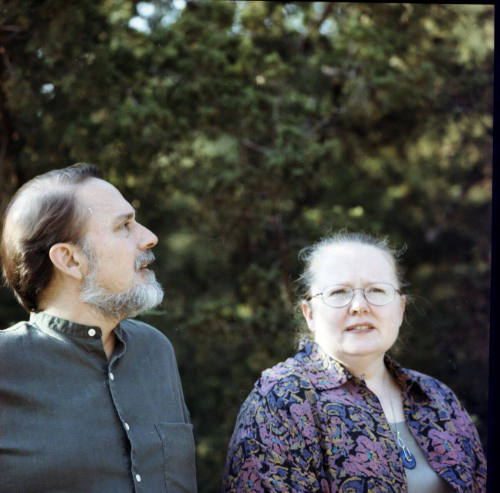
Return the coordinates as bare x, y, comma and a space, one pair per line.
407, 457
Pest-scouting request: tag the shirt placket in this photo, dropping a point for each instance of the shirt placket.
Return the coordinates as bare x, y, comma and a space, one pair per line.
114, 383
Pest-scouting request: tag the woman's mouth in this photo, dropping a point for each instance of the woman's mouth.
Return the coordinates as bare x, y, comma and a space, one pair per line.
360, 328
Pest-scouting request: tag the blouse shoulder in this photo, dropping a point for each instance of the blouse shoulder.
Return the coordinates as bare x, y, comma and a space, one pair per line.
283, 388
439, 394
430, 385
284, 375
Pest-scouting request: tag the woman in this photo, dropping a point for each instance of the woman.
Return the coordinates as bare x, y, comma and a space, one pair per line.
341, 416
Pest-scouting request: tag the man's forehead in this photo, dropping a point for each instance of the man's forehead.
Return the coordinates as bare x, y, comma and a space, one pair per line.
100, 198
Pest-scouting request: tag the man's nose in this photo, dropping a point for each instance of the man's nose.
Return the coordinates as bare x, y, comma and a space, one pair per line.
148, 239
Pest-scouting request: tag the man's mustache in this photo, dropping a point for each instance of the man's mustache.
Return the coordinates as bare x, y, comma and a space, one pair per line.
143, 259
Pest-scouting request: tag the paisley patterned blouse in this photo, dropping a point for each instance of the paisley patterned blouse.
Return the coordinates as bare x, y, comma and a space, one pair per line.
311, 426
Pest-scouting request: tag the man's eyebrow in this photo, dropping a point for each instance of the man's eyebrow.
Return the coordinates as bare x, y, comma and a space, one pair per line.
122, 217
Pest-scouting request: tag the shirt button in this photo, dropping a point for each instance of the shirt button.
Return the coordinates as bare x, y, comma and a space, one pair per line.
138, 478
127, 427
111, 376
91, 332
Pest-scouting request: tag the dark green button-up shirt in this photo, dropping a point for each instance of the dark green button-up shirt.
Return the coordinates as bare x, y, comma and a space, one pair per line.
72, 421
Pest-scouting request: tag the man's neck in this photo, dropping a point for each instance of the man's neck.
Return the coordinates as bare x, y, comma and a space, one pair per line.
87, 316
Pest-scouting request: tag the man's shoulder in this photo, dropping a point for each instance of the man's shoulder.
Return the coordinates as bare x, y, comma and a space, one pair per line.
18, 338
15, 331
142, 331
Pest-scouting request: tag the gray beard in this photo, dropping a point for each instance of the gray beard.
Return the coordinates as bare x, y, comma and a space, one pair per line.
143, 295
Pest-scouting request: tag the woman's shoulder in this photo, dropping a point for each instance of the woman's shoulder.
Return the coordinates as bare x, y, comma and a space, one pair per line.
309, 370
282, 390
433, 388
284, 377
427, 381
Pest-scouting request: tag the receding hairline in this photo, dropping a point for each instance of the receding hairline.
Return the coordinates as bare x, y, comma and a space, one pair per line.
83, 201
34, 192
38, 191
85, 196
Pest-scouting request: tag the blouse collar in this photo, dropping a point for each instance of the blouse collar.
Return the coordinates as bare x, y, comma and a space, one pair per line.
325, 372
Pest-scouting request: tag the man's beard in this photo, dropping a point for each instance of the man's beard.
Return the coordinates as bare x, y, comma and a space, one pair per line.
141, 296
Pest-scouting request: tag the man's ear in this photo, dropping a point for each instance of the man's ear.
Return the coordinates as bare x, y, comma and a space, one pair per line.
308, 314
68, 259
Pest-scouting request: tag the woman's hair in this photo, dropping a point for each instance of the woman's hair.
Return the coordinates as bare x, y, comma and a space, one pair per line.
43, 212
309, 254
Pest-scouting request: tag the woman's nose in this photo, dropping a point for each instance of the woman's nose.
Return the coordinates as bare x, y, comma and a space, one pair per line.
358, 302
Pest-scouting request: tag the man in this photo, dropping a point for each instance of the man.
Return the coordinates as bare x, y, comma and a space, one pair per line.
90, 401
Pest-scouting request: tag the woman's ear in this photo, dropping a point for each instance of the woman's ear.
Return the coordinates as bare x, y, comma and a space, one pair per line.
308, 314
67, 258
403, 306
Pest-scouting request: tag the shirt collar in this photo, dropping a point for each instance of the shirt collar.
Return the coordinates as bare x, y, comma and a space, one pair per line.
46, 321
326, 372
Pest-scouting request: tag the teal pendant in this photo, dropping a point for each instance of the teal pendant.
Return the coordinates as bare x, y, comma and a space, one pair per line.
408, 459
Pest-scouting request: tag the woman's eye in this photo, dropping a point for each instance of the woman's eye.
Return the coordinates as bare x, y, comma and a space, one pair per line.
377, 290
338, 292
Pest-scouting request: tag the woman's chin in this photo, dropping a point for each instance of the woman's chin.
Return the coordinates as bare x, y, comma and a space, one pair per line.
364, 348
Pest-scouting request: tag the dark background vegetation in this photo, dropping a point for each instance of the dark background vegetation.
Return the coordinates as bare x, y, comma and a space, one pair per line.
243, 132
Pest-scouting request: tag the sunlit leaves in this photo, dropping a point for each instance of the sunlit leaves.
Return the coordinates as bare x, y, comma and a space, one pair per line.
244, 131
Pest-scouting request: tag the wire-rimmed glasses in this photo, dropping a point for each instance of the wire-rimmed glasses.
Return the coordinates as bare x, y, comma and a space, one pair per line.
340, 295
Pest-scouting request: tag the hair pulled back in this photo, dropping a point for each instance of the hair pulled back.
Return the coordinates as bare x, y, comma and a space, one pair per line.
43, 212
310, 253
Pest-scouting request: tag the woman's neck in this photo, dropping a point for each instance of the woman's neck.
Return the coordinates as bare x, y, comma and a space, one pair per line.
379, 380
376, 376
368, 368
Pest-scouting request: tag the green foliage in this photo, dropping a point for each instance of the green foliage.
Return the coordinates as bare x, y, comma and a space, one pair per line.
244, 131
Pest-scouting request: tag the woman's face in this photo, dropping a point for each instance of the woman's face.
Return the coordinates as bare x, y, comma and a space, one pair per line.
358, 329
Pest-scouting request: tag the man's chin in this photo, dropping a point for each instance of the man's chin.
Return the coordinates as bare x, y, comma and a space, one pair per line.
145, 295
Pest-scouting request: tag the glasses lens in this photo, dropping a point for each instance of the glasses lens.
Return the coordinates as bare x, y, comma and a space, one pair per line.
379, 294
337, 295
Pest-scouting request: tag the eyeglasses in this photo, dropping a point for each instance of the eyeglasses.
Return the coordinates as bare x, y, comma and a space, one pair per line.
339, 295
